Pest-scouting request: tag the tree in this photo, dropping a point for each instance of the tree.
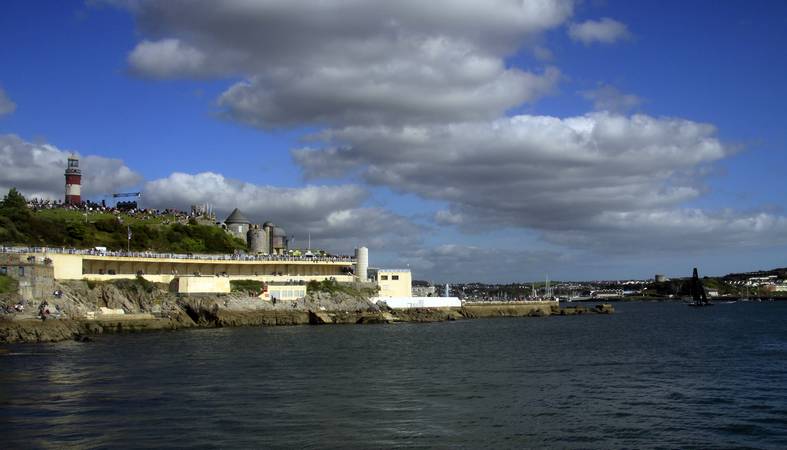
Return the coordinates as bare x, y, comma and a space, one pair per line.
14, 206
14, 200
76, 232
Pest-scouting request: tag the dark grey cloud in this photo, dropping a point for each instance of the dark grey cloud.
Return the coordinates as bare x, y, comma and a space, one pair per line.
37, 170
367, 95
463, 263
671, 231
602, 182
531, 171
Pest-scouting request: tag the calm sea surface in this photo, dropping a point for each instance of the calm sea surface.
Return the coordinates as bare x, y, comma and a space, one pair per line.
650, 376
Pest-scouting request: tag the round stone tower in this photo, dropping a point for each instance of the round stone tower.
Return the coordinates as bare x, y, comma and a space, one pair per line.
237, 224
257, 240
278, 239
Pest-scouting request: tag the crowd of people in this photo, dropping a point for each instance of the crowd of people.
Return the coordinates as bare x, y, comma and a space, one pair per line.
122, 208
238, 256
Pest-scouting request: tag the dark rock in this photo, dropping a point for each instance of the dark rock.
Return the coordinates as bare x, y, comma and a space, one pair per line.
604, 308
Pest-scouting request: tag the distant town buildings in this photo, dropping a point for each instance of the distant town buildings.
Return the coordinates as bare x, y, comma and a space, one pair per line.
768, 283
607, 293
423, 291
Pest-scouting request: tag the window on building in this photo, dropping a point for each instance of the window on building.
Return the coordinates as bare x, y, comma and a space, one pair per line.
384, 277
3, 270
394, 277
21, 271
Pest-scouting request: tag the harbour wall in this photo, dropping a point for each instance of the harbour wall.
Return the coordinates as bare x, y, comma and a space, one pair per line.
510, 309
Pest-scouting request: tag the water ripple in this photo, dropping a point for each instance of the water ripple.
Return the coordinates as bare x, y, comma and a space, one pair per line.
652, 376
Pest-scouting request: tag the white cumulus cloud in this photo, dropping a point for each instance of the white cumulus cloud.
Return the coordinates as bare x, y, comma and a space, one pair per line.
333, 215
167, 58
37, 170
610, 98
604, 31
6, 105
341, 62
416, 96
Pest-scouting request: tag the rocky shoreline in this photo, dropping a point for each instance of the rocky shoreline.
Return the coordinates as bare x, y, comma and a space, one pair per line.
149, 307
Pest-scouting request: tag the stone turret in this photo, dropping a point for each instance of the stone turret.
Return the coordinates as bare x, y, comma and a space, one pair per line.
237, 224
257, 240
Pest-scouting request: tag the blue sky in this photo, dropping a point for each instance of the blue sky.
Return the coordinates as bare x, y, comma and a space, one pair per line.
427, 175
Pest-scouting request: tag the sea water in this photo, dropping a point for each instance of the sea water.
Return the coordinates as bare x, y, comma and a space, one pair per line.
653, 375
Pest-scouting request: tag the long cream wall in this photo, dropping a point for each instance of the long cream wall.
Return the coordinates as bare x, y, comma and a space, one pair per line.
77, 267
168, 278
202, 285
66, 267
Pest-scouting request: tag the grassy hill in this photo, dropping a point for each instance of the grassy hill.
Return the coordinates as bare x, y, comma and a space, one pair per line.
72, 228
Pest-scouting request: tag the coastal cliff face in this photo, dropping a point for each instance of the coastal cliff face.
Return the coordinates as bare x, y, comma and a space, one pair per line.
148, 306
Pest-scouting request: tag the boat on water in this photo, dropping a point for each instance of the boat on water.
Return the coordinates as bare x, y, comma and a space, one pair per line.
698, 292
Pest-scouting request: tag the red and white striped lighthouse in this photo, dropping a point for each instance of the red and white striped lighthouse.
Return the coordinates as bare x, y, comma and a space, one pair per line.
73, 182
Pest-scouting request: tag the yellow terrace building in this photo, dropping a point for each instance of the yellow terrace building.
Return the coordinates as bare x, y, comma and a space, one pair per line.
163, 268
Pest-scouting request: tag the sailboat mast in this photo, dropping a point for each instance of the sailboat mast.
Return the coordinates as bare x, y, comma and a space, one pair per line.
547, 290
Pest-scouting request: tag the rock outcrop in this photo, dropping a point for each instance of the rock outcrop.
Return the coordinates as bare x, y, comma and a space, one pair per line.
148, 306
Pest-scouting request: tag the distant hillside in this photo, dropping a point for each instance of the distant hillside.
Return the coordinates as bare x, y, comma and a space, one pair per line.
59, 227
781, 273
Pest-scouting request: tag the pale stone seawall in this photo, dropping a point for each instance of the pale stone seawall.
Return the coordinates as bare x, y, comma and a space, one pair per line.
151, 307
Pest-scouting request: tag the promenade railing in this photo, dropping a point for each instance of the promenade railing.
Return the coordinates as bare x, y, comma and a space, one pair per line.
198, 257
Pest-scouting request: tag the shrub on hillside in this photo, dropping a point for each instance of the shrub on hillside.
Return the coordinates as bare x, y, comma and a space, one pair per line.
251, 286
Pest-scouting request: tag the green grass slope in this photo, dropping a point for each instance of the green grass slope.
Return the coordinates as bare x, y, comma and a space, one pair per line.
69, 228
